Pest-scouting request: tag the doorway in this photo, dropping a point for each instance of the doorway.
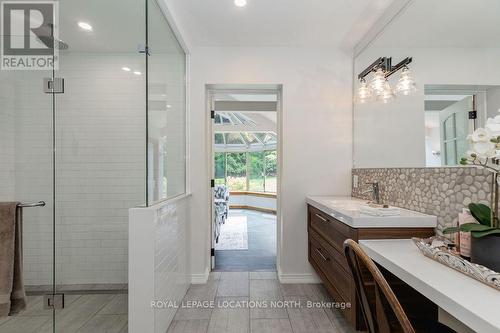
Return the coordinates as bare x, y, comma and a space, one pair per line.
244, 156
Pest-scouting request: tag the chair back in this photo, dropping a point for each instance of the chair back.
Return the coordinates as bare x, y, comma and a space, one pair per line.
381, 309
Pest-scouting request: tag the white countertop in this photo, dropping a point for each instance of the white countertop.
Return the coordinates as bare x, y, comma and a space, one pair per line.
346, 210
469, 301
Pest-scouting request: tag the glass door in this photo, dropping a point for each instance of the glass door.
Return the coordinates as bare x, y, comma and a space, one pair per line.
455, 126
27, 143
100, 159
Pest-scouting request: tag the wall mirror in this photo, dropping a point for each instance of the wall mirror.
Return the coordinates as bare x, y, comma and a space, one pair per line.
454, 52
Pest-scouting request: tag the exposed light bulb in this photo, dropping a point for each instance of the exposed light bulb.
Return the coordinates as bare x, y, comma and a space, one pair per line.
364, 92
387, 94
137, 73
406, 84
126, 69
240, 3
378, 81
85, 26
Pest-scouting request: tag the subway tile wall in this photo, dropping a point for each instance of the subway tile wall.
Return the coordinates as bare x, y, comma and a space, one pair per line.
100, 166
171, 278
7, 142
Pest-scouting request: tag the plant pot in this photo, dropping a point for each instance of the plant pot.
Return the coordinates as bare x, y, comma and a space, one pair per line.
486, 251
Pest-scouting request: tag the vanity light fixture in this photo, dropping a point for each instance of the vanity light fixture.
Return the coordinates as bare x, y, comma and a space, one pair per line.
364, 92
406, 84
378, 82
387, 93
240, 3
380, 86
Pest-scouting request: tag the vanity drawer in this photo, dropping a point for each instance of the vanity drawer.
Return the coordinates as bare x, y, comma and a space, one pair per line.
333, 231
328, 263
338, 256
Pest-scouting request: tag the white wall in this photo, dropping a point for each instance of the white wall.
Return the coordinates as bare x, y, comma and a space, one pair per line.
392, 135
158, 263
253, 201
316, 132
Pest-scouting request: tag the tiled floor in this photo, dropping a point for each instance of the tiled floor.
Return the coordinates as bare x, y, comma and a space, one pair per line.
89, 313
261, 253
262, 288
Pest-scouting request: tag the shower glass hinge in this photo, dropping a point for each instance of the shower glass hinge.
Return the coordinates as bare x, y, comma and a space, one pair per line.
144, 49
53, 301
53, 85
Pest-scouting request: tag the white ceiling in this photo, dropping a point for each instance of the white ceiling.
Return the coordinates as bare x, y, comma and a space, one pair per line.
119, 26
277, 22
444, 23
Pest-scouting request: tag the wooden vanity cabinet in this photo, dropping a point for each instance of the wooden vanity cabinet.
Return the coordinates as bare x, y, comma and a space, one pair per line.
326, 254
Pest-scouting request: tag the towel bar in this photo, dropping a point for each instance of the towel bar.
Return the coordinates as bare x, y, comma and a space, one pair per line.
34, 204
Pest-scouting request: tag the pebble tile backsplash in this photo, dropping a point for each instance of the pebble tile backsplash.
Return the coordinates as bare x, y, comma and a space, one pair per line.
443, 192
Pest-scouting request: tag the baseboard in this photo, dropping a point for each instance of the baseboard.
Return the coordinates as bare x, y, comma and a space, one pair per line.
298, 278
201, 278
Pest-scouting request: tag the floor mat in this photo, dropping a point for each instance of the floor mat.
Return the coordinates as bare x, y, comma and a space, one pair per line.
233, 234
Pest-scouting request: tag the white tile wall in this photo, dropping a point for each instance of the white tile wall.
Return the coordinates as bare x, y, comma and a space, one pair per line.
158, 269
7, 142
100, 162
100, 166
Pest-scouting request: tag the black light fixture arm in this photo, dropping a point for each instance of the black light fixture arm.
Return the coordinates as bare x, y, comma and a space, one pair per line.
386, 64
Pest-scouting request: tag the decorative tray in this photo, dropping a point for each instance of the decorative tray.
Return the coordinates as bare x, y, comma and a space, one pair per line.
436, 248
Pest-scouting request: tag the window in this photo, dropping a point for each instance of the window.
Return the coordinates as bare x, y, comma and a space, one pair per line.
256, 171
271, 171
247, 171
236, 164
220, 168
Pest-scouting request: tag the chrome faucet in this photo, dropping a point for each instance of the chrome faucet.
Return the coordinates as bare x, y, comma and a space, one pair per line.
375, 191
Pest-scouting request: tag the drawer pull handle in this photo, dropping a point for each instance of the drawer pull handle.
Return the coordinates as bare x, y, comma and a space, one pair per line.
321, 218
322, 256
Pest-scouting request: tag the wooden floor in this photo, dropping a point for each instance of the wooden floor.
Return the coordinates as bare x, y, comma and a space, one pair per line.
263, 288
89, 313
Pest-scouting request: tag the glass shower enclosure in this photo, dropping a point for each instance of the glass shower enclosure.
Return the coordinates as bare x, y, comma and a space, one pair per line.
81, 142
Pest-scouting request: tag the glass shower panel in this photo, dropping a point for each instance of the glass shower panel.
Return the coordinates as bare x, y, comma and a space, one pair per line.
166, 109
100, 159
26, 176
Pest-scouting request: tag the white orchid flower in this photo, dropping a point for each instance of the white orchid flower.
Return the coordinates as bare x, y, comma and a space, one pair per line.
481, 135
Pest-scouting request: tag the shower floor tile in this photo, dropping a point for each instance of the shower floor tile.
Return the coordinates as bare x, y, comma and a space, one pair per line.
96, 313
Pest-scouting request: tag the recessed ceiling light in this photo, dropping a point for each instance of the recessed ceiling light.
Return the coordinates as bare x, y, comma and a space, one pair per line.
240, 3
169, 106
137, 73
126, 69
85, 26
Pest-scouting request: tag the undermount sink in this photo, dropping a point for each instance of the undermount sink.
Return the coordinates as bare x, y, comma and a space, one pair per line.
348, 211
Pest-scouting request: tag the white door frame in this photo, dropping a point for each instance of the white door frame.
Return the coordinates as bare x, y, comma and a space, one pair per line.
209, 92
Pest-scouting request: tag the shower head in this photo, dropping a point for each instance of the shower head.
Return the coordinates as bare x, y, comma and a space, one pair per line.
53, 43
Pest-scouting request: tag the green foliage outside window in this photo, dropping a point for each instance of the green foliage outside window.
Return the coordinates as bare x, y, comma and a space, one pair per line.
259, 175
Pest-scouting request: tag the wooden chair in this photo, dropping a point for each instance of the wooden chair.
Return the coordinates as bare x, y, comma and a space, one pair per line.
381, 309
383, 312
